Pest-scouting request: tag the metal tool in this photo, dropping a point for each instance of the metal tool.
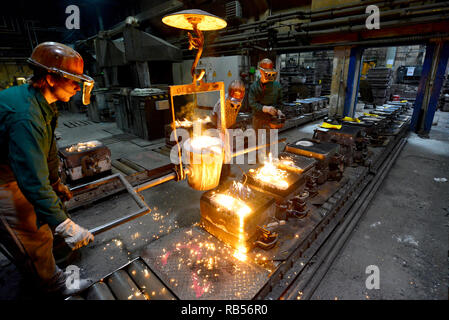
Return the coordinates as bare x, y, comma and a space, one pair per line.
144, 208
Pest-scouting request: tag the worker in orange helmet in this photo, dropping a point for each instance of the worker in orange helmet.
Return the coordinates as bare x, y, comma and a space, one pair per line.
31, 193
265, 96
233, 103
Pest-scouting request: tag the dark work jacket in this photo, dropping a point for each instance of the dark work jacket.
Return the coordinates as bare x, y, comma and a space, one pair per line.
269, 94
28, 152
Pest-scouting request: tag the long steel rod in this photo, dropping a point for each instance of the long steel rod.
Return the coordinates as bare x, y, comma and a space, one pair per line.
144, 209
244, 151
132, 192
155, 182
93, 184
119, 221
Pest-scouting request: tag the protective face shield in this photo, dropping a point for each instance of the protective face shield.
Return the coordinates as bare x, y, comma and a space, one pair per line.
267, 72
64, 61
84, 80
267, 76
235, 103
236, 92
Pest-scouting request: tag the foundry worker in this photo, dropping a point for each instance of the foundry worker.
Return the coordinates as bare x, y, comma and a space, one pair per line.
233, 103
31, 193
264, 95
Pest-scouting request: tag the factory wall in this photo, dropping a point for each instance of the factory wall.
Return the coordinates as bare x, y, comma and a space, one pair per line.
324, 4
10, 70
224, 69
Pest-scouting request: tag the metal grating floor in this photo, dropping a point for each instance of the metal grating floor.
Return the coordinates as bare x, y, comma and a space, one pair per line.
196, 265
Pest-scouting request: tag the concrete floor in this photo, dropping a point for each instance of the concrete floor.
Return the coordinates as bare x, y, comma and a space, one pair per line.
404, 232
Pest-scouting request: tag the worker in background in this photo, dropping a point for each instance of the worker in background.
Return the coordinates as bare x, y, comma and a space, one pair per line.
265, 95
233, 103
31, 193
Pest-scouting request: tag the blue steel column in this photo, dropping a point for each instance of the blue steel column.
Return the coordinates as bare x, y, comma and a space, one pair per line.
430, 50
443, 55
352, 88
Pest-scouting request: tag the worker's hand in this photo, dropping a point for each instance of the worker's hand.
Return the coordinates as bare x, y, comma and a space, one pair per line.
74, 235
280, 114
269, 109
62, 191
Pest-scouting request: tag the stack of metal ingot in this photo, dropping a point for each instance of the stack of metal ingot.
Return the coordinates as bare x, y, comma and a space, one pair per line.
352, 141
371, 127
291, 109
313, 104
330, 163
379, 80
404, 91
444, 96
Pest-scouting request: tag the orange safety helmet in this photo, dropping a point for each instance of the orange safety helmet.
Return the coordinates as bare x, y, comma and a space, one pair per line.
267, 71
236, 91
64, 61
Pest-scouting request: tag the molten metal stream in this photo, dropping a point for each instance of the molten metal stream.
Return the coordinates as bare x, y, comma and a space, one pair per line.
242, 210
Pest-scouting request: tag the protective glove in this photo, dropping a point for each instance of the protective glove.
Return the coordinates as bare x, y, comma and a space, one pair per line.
280, 114
62, 191
269, 109
74, 235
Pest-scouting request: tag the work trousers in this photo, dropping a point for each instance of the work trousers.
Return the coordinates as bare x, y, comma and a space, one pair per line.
30, 248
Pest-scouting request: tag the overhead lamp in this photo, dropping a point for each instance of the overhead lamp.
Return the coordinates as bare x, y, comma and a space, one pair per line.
198, 21
187, 19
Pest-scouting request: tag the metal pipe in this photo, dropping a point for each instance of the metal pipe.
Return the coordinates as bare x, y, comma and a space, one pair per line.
349, 28
341, 10
94, 184
99, 291
320, 14
362, 17
392, 23
363, 43
148, 282
123, 287
155, 182
132, 192
115, 223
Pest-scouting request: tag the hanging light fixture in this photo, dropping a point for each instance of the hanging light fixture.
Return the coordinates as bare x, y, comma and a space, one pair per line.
187, 19
198, 21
